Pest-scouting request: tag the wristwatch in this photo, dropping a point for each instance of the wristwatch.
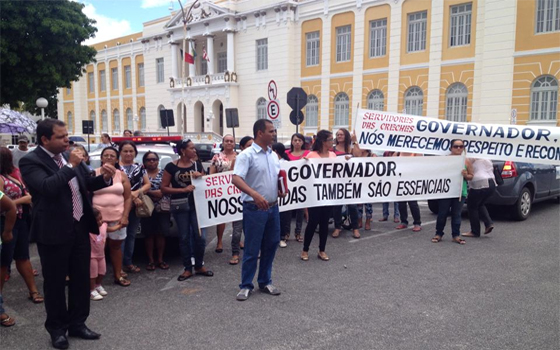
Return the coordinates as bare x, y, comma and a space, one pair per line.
69, 165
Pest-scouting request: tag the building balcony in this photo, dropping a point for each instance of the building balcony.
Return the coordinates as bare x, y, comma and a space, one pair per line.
203, 80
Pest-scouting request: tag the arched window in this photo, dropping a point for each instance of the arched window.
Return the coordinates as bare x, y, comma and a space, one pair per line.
261, 108
341, 110
143, 119
413, 101
456, 103
312, 111
129, 120
92, 117
375, 100
544, 98
160, 107
70, 122
104, 122
116, 121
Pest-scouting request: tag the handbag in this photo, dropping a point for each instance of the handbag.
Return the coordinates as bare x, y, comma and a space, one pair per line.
498, 176
180, 205
164, 205
145, 209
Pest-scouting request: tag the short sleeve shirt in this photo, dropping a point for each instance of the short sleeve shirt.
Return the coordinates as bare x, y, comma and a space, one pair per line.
259, 168
181, 178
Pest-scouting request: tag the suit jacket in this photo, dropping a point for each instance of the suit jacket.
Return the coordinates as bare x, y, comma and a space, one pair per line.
52, 218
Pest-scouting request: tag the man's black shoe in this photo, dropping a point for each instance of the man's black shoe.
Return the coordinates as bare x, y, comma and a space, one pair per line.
84, 333
59, 342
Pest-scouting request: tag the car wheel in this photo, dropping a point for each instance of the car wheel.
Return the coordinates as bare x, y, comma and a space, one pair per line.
524, 204
433, 205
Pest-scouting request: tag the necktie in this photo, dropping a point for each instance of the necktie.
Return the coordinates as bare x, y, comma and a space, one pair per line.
76, 202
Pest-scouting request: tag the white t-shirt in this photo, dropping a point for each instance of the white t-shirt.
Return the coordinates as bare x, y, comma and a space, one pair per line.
17, 154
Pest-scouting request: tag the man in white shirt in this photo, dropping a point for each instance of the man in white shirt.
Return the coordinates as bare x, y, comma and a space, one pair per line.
256, 175
21, 150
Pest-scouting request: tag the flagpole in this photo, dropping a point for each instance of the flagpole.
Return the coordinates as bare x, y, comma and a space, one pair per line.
186, 19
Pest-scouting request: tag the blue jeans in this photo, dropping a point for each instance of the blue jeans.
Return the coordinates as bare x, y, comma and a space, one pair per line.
444, 206
128, 243
262, 233
386, 210
191, 243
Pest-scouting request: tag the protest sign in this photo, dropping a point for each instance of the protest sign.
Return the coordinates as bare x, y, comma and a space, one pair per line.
319, 182
377, 130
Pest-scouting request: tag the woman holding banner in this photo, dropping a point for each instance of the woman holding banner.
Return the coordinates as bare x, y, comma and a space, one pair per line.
223, 162
343, 148
481, 187
177, 182
297, 151
454, 204
319, 215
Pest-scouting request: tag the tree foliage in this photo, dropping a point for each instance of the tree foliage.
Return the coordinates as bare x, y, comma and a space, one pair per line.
41, 50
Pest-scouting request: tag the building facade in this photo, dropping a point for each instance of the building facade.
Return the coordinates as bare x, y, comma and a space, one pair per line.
487, 61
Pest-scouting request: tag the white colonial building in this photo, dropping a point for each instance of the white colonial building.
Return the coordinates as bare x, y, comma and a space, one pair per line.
490, 61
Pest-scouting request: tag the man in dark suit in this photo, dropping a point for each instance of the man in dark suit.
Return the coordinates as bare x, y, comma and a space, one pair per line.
62, 219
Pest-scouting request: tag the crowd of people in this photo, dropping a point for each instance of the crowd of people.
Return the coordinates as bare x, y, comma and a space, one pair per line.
59, 200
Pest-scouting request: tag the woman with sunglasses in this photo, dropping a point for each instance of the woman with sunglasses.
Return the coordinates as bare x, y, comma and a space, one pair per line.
455, 205
177, 182
220, 163
155, 227
139, 183
343, 147
114, 204
319, 215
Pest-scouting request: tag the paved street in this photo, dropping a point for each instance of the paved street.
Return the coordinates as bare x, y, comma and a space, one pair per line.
389, 290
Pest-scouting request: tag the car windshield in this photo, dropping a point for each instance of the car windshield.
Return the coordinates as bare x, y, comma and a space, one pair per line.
164, 158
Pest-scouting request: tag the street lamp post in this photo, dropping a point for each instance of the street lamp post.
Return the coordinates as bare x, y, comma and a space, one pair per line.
42, 103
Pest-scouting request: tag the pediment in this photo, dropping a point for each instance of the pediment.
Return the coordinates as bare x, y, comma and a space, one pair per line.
207, 10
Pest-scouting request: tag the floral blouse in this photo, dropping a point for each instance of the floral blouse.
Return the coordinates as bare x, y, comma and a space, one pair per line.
221, 162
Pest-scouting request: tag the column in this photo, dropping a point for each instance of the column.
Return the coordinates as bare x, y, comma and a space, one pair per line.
191, 66
434, 75
230, 52
210, 53
394, 59
174, 67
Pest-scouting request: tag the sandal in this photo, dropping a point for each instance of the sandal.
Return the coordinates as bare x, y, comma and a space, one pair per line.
436, 239
203, 272
132, 269
336, 233
123, 282
163, 265
305, 256
36, 298
356, 234
417, 228
151, 266
459, 240
7, 321
234, 260
488, 230
299, 238
184, 276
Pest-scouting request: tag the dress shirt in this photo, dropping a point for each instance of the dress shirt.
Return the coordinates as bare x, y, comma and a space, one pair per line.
259, 168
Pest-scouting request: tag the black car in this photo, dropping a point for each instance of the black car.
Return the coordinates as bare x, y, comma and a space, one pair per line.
524, 184
204, 151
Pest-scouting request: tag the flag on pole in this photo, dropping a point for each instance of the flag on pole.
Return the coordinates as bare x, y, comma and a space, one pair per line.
189, 56
205, 55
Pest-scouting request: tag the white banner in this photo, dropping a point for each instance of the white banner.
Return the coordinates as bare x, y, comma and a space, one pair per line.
317, 182
385, 131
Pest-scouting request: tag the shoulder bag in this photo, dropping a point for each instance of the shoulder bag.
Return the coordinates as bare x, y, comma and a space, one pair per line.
145, 209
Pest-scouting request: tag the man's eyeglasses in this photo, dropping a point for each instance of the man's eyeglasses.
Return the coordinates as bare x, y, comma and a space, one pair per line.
151, 159
458, 146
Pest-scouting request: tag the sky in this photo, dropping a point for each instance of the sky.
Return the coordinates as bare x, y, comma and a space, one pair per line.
116, 18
